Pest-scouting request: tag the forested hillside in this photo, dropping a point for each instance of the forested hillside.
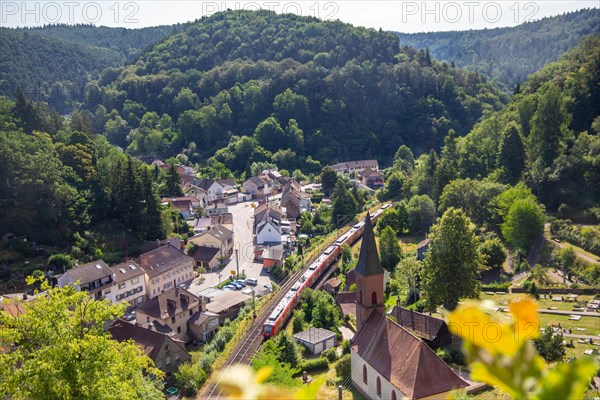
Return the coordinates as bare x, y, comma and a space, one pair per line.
54, 63
284, 88
509, 55
546, 137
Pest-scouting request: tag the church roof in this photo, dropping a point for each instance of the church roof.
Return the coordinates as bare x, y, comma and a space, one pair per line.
368, 260
403, 359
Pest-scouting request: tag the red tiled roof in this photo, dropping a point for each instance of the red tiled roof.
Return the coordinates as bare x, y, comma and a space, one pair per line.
404, 360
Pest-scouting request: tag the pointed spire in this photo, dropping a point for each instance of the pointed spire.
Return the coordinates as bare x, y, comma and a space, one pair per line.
368, 260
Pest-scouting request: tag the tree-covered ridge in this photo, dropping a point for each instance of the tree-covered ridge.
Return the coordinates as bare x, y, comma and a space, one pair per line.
322, 89
547, 136
54, 63
128, 42
509, 55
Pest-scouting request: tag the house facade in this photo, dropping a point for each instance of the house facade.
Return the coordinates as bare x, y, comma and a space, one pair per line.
268, 232
218, 237
165, 268
130, 283
349, 167
168, 354
169, 312
256, 187
95, 277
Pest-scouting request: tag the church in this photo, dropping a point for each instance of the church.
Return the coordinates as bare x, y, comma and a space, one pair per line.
388, 361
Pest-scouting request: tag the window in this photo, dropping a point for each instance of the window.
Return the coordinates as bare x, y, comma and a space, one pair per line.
393, 395
172, 320
378, 387
148, 319
135, 280
168, 360
178, 329
191, 312
365, 374
121, 286
374, 298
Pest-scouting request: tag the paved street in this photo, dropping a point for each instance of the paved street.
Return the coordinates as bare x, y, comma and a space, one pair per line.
242, 229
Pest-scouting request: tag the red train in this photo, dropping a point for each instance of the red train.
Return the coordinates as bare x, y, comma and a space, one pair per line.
286, 305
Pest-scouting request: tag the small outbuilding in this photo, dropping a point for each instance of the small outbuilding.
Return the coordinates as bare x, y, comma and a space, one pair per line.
317, 339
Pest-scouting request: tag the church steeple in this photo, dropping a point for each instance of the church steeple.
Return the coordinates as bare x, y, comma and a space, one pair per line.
368, 260
369, 277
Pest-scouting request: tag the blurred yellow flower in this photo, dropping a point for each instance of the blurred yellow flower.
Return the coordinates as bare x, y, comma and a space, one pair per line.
475, 326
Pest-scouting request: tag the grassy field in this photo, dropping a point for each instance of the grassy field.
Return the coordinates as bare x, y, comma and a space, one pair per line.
329, 390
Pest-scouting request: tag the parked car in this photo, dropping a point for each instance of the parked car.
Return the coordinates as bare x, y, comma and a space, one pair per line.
237, 285
251, 282
130, 316
229, 287
241, 282
268, 287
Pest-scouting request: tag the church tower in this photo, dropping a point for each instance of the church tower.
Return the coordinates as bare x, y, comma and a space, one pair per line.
369, 278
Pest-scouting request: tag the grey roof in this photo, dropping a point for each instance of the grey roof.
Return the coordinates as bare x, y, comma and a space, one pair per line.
225, 301
90, 272
273, 252
126, 270
368, 260
161, 260
257, 181
314, 335
219, 232
170, 303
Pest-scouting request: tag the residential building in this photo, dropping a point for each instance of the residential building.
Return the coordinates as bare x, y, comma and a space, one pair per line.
216, 209
255, 186
213, 189
166, 352
170, 311
203, 325
130, 283
227, 305
94, 277
294, 201
267, 230
271, 256
371, 178
349, 167
149, 245
316, 340
186, 205
207, 257
422, 248
388, 362
165, 268
218, 237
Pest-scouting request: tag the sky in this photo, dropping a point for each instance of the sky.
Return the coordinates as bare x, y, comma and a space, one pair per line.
398, 15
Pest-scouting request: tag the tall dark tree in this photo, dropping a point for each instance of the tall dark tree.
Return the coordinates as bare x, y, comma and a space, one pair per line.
511, 154
173, 182
329, 180
447, 169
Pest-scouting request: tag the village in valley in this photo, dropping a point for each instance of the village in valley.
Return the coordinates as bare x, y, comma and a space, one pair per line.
247, 269
264, 205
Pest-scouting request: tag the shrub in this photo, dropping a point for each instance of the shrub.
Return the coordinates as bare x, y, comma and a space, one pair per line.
345, 347
316, 364
190, 378
343, 368
330, 354
496, 287
444, 355
458, 357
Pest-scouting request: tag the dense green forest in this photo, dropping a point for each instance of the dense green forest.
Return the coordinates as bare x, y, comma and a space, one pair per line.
547, 138
509, 55
283, 88
53, 63
61, 185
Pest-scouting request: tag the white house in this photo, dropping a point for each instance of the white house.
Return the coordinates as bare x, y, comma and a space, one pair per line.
268, 231
256, 187
130, 283
94, 277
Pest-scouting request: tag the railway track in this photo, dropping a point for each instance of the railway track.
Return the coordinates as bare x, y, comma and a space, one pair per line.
245, 351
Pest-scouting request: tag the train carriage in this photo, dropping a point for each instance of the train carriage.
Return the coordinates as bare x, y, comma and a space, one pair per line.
286, 305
